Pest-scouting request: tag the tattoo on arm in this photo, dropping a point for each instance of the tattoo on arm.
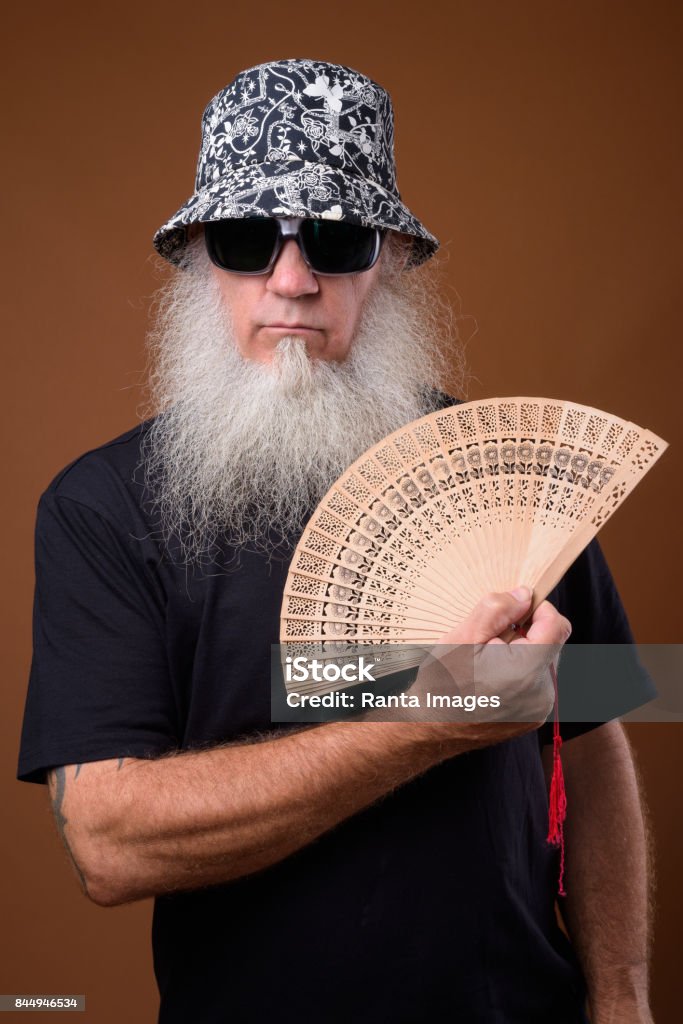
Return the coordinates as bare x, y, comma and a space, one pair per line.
57, 787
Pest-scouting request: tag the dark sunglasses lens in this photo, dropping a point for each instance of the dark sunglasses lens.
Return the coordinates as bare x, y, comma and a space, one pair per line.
337, 247
242, 246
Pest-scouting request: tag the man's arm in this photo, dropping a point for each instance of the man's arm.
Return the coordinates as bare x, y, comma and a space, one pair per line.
137, 827
607, 878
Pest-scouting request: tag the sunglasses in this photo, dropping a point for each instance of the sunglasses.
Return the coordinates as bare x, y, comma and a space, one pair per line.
251, 245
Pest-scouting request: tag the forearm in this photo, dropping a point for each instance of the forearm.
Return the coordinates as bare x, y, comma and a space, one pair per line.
146, 827
138, 828
607, 907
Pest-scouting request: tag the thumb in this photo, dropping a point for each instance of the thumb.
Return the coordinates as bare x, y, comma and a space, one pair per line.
491, 617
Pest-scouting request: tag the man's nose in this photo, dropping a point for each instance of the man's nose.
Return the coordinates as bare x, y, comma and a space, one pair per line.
291, 276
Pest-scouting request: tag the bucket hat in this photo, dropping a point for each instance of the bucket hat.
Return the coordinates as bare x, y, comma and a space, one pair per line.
297, 138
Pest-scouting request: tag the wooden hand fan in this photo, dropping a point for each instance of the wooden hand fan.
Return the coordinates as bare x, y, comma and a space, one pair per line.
479, 497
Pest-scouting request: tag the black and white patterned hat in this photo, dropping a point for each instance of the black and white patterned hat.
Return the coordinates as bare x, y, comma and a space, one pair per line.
297, 138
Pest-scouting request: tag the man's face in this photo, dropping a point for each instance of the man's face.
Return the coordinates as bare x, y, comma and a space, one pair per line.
257, 417
291, 300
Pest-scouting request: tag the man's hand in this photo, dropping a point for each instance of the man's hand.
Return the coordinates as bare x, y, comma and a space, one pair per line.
472, 658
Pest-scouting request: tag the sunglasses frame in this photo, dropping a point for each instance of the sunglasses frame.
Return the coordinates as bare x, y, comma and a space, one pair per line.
289, 227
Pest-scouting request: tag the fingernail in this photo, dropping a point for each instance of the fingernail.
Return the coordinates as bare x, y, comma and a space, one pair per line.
521, 594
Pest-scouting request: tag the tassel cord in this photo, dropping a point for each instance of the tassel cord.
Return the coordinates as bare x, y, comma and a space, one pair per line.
557, 798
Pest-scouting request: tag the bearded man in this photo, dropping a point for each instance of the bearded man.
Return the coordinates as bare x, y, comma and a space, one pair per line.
354, 871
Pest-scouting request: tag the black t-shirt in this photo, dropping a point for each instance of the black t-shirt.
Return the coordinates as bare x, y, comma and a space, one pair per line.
437, 902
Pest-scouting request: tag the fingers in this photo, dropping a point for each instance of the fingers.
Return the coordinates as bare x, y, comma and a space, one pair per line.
548, 626
495, 613
491, 617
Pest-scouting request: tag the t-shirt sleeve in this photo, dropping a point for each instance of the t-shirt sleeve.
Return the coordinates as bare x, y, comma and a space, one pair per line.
99, 685
600, 676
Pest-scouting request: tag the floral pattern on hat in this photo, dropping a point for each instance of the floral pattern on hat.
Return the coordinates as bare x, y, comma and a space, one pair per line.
297, 138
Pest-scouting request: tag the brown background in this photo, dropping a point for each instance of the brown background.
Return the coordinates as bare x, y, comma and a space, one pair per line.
540, 141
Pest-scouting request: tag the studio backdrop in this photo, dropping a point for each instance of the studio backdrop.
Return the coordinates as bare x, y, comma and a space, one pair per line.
540, 142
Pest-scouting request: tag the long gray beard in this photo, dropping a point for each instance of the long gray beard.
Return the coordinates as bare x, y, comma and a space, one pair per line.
240, 452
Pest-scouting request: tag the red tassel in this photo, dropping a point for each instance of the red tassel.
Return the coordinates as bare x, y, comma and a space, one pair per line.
557, 811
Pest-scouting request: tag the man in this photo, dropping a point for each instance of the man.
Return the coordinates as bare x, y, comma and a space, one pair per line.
354, 871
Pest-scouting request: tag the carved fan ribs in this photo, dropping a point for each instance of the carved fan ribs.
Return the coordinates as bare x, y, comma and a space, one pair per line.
478, 497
